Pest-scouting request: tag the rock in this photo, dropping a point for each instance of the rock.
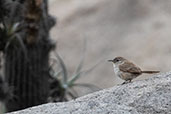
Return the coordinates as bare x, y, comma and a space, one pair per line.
150, 96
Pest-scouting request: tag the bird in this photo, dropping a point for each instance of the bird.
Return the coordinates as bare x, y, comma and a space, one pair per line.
127, 70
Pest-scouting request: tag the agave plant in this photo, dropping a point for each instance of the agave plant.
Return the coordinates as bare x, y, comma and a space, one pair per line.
9, 35
68, 84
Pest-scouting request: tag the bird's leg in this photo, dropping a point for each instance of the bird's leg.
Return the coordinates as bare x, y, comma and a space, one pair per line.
127, 81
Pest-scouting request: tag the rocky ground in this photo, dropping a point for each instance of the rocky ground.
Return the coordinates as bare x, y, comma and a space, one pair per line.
139, 30
150, 96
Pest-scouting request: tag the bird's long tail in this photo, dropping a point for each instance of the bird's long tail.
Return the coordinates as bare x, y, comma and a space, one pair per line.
150, 72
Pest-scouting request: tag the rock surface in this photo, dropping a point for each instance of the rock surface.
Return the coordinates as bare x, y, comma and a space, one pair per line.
150, 96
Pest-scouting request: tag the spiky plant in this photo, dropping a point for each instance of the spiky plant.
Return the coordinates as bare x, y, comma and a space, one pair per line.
9, 36
67, 84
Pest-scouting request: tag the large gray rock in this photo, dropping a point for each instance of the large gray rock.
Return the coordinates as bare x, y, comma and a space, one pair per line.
150, 96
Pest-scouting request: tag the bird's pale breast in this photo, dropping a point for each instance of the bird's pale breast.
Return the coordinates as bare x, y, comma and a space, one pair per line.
123, 75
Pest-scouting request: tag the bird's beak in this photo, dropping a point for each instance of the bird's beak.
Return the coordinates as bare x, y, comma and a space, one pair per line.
110, 60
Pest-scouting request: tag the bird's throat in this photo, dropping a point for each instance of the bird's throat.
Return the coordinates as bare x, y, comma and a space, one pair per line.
116, 69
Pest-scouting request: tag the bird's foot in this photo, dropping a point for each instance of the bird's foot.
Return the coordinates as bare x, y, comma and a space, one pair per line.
125, 82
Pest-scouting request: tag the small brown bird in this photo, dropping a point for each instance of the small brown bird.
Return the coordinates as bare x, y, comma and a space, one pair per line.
126, 70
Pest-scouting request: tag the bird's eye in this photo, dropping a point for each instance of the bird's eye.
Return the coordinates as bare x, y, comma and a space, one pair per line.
117, 60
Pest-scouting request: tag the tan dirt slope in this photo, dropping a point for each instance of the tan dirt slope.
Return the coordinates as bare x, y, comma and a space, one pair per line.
139, 30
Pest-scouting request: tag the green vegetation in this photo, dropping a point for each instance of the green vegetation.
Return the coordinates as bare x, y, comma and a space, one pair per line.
68, 84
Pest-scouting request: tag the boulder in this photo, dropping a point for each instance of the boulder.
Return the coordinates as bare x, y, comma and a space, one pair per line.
149, 96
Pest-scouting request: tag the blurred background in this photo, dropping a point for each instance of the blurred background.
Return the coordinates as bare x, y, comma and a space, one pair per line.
86, 34
138, 30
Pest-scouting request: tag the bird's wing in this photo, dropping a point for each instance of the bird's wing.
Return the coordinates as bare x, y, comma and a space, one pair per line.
129, 67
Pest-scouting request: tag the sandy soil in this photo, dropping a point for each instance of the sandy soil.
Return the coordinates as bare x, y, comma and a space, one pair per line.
139, 30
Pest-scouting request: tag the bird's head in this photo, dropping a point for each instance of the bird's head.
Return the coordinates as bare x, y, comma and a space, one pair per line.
117, 60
